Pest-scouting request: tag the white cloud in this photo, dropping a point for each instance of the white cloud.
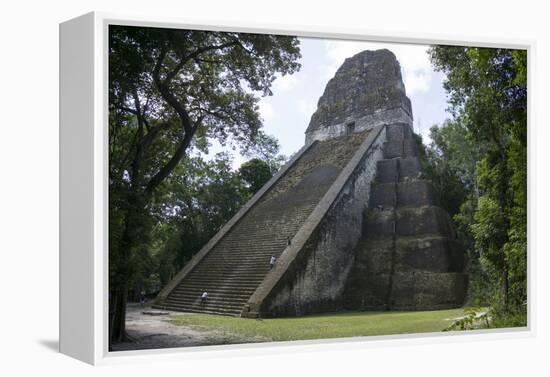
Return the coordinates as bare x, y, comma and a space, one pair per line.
266, 109
307, 106
285, 83
417, 81
415, 64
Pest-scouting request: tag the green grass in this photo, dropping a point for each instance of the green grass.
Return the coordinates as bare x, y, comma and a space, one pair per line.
324, 326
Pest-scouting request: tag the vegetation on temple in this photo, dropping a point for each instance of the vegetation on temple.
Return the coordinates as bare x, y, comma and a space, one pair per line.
172, 93
478, 161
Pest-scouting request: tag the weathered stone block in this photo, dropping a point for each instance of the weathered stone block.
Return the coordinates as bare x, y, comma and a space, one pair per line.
420, 221
409, 168
427, 290
395, 132
383, 195
375, 257
416, 193
409, 148
379, 224
370, 292
430, 254
387, 171
393, 149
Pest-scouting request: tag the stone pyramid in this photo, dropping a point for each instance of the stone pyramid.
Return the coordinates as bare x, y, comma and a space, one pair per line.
350, 218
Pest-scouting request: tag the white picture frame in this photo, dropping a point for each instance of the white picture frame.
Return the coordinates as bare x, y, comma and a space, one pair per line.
84, 190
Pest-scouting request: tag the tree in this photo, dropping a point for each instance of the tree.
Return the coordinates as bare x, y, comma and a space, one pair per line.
256, 173
488, 96
170, 92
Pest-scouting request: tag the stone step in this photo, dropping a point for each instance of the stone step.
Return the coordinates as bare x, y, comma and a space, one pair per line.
427, 290
408, 291
261, 269
210, 306
241, 260
400, 141
396, 148
398, 132
198, 287
223, 298
398, 169
206, 273
240, 281
379, 224
427, 220
228, 273
427, 254
414, 193
415, 221
251, 271
236, 260
242, 242
409, 168
245, 248
226, 295
212, 299
206, 309
225, 279
248, 254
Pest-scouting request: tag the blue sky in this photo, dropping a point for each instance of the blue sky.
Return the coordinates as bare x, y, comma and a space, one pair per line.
287, 112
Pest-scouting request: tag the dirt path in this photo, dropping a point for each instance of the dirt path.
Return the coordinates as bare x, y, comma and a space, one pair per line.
152, 331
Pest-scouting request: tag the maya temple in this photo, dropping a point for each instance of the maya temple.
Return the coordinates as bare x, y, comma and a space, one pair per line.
352, 220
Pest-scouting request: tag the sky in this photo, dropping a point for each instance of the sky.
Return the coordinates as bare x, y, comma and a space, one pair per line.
287, 112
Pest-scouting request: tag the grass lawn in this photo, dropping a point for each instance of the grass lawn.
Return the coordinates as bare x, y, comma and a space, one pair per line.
324, 326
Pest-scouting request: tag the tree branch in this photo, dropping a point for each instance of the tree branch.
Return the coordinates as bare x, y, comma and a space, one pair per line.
188, 126
176, 158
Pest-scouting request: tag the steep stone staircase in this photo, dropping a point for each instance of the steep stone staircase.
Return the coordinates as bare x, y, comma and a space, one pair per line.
408, 258
238, 263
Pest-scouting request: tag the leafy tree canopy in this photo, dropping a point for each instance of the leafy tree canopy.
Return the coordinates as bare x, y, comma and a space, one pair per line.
256, 173
488, 95
184, 87
171, 94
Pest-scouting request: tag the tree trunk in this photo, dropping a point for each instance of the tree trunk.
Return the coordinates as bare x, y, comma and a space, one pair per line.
130, 238
505, 288
118, 331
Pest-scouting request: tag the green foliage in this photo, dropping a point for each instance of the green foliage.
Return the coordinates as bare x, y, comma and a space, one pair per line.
474, 318
517, 317
488, 95
255, 173
449, 161
202, 83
